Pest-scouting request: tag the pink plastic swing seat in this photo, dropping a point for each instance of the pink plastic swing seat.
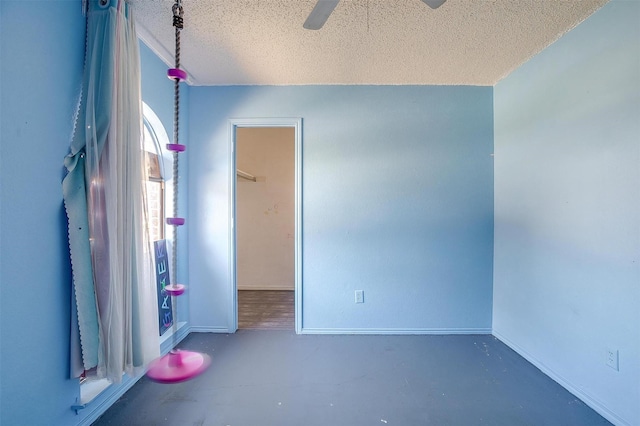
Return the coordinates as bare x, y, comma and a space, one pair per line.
176, 147
176, 74
178, 366
175, 289
175, 221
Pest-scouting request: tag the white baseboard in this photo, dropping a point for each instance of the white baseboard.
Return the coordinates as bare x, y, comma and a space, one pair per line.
108, 395
167, 341
399, 331
106, 399
591, 401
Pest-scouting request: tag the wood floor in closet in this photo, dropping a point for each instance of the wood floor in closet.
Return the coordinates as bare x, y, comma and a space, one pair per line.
266, 309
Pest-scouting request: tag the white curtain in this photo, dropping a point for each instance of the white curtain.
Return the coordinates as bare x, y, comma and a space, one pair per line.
108, 137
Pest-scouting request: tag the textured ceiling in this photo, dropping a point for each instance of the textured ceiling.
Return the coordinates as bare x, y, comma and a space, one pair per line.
396, 42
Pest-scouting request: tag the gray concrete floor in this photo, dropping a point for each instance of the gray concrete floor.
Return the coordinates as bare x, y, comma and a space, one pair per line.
278, 378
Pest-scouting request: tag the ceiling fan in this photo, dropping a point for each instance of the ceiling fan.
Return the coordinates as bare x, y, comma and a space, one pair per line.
323, 9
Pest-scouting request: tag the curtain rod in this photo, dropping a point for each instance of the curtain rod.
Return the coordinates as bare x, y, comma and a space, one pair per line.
245, 175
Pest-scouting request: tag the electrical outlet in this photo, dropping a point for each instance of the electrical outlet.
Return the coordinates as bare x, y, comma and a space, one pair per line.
613, 358
359, 296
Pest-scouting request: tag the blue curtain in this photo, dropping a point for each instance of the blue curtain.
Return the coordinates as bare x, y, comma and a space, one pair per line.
104, 201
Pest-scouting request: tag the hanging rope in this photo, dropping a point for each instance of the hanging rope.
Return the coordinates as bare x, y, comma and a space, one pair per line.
178, 365
178, 23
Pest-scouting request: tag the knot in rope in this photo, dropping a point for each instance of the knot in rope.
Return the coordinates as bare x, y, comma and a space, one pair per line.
178, 13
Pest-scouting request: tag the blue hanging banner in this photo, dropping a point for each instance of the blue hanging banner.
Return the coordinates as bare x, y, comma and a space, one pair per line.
165, 313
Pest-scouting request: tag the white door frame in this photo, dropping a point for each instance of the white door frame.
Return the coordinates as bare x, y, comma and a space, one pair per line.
235, 123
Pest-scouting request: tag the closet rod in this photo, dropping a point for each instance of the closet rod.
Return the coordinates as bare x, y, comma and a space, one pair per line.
245, 175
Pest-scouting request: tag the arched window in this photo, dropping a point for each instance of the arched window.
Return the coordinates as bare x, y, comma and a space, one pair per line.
154, 183
159, 165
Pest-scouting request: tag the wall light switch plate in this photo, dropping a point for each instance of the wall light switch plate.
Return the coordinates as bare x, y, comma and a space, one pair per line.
359, 296
613, 358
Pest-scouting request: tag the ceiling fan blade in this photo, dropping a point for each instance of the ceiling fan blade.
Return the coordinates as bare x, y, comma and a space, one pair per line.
320, 14
434, 4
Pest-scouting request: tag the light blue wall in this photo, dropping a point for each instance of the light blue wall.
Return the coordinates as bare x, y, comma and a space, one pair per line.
397, 200
567, 210
157, 89
41, 66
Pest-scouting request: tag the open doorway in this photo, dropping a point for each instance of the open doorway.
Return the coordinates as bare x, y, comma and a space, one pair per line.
266, 286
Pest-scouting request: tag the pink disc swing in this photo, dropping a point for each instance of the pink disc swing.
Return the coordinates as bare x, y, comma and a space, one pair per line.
178, 365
